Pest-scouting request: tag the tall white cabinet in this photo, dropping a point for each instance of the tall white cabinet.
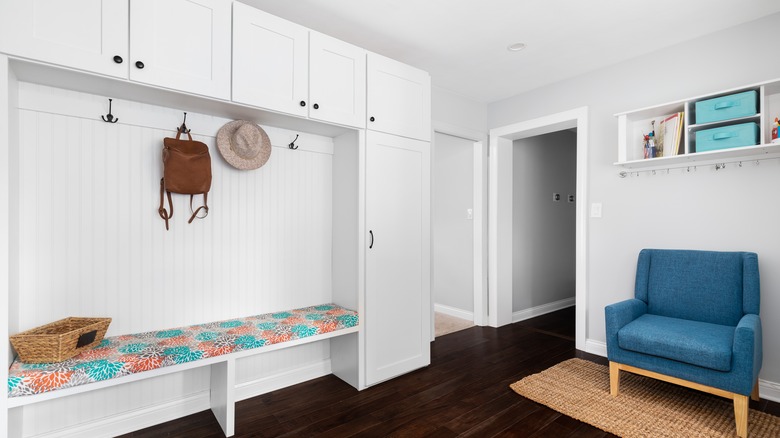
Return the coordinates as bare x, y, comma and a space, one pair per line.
398, 278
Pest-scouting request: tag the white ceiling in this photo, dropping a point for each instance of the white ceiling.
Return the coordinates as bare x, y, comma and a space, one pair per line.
462, 43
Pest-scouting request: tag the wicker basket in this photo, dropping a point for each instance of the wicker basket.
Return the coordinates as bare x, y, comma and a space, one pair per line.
59, 340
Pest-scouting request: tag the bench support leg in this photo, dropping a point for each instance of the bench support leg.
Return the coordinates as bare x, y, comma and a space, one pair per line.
223, 397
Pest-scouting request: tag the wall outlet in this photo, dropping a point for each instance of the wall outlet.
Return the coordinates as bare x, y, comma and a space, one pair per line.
469, 213
595, 209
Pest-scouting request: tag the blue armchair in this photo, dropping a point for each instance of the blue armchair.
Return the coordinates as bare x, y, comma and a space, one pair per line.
693, 322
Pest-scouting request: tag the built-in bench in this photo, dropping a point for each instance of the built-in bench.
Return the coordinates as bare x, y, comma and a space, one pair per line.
122, 359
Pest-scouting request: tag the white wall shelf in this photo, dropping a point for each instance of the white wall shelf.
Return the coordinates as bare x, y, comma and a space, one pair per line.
633, 124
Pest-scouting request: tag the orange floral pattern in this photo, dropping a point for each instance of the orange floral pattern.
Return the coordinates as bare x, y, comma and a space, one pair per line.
129, 354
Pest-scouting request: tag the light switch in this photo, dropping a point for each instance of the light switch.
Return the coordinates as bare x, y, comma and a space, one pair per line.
469, 213
595, 209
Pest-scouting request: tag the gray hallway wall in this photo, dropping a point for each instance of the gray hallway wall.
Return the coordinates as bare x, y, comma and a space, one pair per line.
544, 231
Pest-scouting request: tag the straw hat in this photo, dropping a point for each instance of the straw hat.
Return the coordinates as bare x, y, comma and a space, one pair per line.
244, 145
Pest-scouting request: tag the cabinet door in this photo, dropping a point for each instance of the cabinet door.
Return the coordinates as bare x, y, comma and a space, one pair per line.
82, 34
397, 303
270, 61
399, 98
181, 44
337, 81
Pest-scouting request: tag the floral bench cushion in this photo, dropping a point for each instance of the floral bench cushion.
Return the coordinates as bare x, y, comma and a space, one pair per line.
129, 354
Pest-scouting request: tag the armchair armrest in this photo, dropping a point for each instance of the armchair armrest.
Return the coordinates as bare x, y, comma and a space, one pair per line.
748, 350
618, 315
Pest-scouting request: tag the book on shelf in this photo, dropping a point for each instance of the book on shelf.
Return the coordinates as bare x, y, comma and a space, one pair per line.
670, 134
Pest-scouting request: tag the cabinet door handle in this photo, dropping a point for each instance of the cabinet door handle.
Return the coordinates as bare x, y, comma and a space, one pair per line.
316, 106
303, 103
371, 119
118, 59
139, 64
372, 239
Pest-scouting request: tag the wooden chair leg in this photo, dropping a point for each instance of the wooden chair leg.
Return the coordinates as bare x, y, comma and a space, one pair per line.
754, 395
741, 414
614, 378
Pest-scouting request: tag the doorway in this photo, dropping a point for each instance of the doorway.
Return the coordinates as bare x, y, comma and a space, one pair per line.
453, 233
459, 226
544, 173
500, 213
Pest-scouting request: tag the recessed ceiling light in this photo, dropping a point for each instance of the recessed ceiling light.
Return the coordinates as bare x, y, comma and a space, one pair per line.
516, 47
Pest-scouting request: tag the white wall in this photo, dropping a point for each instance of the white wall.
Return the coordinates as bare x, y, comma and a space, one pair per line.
732, 209
453, 234
543, 247
450, 110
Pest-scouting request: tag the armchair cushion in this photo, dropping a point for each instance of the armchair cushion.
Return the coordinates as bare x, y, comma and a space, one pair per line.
693, 342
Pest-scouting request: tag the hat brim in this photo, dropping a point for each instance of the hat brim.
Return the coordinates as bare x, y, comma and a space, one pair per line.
224, 135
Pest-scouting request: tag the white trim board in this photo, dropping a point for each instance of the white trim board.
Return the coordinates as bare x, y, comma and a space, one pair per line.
522, 315
500, 213
453, 311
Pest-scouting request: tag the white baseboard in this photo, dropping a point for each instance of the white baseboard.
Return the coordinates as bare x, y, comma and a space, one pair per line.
282, 380
768, 390
159, 413
452, 311
522, 315
598, 348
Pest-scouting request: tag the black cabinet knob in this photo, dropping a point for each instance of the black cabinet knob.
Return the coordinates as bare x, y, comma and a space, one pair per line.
118, 59
316, 106
303, 103
139, 64
372, 119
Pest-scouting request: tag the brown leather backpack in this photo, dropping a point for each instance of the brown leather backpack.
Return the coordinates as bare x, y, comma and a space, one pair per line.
187, 170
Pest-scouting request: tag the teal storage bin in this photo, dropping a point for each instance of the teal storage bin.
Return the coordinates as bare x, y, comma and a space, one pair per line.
726, 137
727, 107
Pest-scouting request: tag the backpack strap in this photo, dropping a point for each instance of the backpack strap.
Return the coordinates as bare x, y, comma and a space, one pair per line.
204, 207
162, 211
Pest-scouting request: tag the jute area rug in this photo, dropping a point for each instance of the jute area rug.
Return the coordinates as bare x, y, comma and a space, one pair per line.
645, 407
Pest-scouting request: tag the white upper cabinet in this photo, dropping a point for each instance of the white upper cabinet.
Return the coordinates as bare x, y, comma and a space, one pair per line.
337, 81
270, 61
88, 35
399, 98
181, 44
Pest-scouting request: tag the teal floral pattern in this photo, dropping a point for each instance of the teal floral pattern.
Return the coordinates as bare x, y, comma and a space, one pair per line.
129, 354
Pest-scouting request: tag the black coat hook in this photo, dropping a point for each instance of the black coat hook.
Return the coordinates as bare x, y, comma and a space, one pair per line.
292, 144
183, 128
109, 118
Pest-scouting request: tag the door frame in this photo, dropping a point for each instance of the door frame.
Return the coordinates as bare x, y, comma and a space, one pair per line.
479, 204
500, 213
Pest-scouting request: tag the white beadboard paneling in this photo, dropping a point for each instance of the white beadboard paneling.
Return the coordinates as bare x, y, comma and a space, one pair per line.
251, 368
92, 244
65, 413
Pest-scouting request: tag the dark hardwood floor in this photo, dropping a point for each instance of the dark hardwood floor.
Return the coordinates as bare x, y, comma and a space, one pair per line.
464, 392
